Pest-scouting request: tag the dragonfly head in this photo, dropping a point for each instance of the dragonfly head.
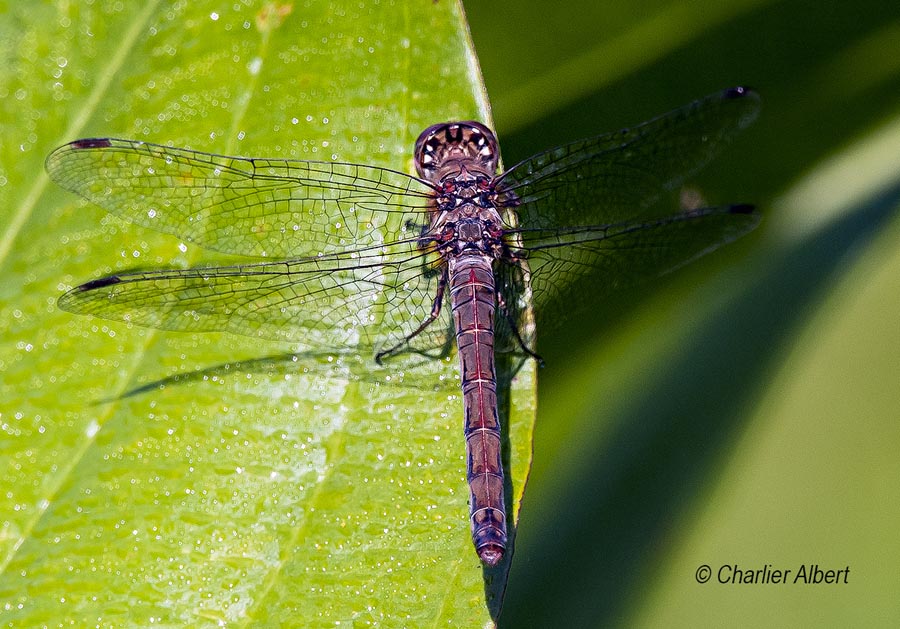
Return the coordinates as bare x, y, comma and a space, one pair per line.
444, 150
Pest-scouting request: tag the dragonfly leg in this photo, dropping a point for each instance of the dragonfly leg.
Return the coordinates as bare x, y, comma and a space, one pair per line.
501, 304
434, 314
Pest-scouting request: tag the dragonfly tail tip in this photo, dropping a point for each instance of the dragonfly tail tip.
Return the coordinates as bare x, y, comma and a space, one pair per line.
491, 554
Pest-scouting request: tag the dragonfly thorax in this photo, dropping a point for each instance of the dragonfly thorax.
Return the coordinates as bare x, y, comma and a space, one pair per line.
462, 190
470, 230
454, 149
461, 233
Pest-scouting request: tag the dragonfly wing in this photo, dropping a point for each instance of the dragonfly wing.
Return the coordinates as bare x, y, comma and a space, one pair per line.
328, 303
247, 206
511, 327
617, 176
620, 255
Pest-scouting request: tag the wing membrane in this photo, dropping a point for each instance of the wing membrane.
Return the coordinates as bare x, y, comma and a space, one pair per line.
620, 255
587, 214
368, 300
617, 176
247, 206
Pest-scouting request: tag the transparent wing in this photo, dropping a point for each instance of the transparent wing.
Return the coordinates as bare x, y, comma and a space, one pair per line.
620, 255
370, 299
617, 176
586, 211
247, 206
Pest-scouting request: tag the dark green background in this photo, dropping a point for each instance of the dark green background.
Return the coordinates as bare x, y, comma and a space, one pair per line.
669, 428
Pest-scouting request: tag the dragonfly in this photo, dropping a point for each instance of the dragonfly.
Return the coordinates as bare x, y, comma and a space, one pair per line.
373, 260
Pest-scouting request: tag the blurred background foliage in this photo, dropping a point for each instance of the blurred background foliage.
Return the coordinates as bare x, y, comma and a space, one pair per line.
745, 410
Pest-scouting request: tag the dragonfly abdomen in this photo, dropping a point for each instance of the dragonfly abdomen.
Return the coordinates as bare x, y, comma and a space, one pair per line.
472, 296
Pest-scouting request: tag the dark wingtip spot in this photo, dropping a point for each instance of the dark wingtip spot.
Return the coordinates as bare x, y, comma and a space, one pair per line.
737, 92
103, 282
742, 208
91, 143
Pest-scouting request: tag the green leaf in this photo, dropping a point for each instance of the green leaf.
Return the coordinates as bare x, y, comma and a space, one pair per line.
169, 479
